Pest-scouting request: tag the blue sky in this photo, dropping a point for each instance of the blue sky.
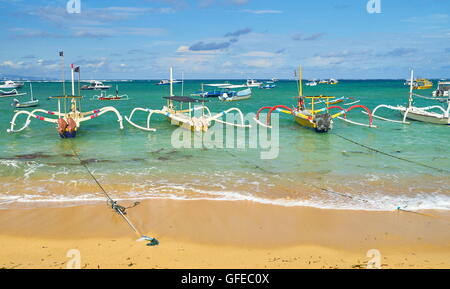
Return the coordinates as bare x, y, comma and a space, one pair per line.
140, 39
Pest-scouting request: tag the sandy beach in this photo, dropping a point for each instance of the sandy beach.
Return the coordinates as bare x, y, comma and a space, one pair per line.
222, 234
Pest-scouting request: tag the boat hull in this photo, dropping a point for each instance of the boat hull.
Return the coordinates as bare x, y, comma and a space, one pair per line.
305, 122
426, 118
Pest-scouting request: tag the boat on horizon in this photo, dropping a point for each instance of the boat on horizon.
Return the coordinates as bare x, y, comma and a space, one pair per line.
95, 85
253, 83
9, 84
167, 82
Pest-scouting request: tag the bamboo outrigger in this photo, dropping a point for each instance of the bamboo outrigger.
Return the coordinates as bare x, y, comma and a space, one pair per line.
423, 114
69, 121
186, 117
310, 117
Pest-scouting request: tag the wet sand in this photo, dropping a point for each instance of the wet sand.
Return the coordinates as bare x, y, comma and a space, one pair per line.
222, 234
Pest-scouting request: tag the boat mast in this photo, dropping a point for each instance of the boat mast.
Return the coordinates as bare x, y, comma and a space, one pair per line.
410, 100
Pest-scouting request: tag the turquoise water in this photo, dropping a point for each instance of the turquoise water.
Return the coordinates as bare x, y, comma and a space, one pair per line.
319, 170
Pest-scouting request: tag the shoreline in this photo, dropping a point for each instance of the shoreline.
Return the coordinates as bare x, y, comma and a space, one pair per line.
223, 234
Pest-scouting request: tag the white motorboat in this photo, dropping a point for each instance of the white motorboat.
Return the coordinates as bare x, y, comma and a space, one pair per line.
443, 89
95, 85
9, 84
253, 83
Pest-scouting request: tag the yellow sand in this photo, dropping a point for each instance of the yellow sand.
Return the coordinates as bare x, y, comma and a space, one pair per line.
221, 234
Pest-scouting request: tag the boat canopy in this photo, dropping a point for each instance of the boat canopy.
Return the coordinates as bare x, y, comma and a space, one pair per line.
185, 99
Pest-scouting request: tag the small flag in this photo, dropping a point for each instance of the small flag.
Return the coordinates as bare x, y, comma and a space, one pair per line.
61, 53
77, 69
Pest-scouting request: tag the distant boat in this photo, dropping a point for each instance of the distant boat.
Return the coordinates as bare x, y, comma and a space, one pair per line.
216, 92
268, 86
422, 84
167, 82
311, 83
232, 95
253, 83
103, 96
330, 81
11, 93
9, 84
31, 103
443, 89
95, 85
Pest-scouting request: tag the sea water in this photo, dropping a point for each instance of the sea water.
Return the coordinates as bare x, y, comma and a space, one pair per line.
37, 168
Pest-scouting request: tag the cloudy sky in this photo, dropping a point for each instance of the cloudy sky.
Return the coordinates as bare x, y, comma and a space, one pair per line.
140, 39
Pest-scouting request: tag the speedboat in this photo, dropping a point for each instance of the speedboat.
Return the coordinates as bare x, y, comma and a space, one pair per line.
253, 83
443, 89
167, 82
422, 84
311, 83
95, 85
9, 84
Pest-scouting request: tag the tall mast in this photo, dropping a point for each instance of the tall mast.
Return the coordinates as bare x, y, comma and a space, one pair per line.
171, 81
300, 81
63, 80
410, 100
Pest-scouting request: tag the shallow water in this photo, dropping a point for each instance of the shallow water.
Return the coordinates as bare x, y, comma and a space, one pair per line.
319, 170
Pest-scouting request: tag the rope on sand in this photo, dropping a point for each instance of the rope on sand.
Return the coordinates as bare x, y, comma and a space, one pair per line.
116, 207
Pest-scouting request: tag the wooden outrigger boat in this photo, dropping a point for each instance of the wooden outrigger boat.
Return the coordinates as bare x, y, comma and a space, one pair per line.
188, 118
11, 93
116, 97
321, 120
26, 104
69, 121
423, 114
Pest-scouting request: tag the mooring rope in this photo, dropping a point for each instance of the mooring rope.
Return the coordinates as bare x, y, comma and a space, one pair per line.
398, 209
115, 206
390, 155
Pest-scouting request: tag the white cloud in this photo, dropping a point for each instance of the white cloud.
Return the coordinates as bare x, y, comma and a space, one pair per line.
263, 11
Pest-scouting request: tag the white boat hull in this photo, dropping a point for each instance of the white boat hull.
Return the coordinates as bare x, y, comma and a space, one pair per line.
427, 118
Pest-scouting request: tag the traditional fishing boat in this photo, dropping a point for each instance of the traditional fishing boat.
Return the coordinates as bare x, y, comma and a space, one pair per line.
95, 85
307, 114
103, 96
216, 92
337, 100
9, 84
436, 114
230, 94
198, 118
68, 120
25, 104
11, 93
268, 85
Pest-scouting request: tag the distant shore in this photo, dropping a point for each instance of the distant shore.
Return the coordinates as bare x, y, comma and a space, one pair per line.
223, 234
